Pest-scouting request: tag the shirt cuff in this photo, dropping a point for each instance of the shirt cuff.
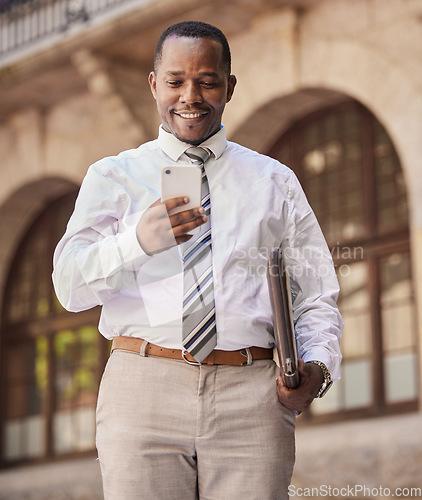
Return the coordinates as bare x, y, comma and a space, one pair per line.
321, 354
122, 251
129, 247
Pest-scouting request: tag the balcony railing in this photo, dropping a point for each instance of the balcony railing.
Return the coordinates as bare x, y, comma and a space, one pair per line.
25, 22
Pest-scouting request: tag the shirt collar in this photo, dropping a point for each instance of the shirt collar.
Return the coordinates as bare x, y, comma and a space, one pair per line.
174, 148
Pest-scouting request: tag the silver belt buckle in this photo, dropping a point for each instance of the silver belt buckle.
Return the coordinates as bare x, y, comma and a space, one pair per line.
193, 363
248, 355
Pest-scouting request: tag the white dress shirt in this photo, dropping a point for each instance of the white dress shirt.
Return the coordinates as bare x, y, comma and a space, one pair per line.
256, 205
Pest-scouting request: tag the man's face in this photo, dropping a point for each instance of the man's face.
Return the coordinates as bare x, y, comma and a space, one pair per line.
191, 88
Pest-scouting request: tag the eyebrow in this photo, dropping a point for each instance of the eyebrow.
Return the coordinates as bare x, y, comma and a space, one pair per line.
203, 73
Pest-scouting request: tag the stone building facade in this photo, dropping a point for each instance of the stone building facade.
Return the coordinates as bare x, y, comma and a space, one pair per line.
333, 88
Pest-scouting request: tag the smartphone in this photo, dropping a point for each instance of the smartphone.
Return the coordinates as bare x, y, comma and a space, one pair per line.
182, 181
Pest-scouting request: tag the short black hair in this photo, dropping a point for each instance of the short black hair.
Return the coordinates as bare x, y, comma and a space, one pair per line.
194, 29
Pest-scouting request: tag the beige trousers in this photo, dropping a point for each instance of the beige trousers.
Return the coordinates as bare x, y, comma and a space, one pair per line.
170, 431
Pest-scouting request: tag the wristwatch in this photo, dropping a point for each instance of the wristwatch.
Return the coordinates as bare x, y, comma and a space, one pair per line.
327, 382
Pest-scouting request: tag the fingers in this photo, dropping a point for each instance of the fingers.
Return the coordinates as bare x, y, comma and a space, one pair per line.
163, 209
283, 394
175, 202
301, 366
302, 396
293, 399
184, 222
157, 230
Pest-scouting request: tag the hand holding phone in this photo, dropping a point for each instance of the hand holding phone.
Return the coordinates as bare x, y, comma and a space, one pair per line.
156, 231
163, 224
182, 181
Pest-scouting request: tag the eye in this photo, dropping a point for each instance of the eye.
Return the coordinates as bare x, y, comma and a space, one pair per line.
208, 85
174, 83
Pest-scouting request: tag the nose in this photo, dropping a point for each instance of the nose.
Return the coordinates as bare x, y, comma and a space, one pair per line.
191, 93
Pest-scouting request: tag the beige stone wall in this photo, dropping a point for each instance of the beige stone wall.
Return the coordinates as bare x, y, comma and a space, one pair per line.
369, 50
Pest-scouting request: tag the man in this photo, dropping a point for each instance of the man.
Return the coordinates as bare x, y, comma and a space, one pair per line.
184, 413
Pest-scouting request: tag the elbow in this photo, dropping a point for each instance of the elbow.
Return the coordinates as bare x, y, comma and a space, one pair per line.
72, 297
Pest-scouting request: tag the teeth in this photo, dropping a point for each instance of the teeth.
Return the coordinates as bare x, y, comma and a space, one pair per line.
190, 115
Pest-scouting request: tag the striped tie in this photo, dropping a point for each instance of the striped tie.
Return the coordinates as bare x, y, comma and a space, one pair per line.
199, 330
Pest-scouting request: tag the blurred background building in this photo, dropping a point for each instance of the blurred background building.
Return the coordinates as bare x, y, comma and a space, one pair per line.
332, 88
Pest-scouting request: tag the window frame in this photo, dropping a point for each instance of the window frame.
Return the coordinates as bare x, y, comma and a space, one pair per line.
14, 333
376, 245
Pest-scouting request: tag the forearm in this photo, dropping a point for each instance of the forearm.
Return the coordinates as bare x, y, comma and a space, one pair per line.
318, 332
89, 268
314, 286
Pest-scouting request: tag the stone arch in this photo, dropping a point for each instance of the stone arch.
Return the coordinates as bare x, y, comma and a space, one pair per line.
302, 58
270, 123
19, 210
378, 79
266, 124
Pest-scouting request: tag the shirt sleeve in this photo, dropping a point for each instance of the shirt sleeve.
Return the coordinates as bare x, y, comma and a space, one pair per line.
99, 251
314, 285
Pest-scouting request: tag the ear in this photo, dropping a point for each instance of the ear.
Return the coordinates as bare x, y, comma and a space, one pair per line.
153, 84
230, 87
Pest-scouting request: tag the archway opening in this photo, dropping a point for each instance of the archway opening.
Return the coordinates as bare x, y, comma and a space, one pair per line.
351, 174
51, 360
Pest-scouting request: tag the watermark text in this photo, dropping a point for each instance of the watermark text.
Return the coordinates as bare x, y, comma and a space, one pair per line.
354, 491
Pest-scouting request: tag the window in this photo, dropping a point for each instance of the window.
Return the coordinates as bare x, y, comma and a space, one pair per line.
52, 359
352, 176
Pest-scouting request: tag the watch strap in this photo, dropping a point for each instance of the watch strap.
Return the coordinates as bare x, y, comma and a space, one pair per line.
327, 382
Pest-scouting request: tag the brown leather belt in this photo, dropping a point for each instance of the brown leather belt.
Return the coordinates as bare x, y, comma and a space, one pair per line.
235, 358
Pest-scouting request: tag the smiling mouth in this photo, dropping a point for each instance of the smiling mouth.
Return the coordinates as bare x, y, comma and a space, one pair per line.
190, 115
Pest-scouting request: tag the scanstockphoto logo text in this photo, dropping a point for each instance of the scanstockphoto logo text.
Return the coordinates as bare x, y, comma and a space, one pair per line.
354, 491
300, 261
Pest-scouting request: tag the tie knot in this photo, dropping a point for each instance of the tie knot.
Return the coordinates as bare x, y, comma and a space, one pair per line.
198, 155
